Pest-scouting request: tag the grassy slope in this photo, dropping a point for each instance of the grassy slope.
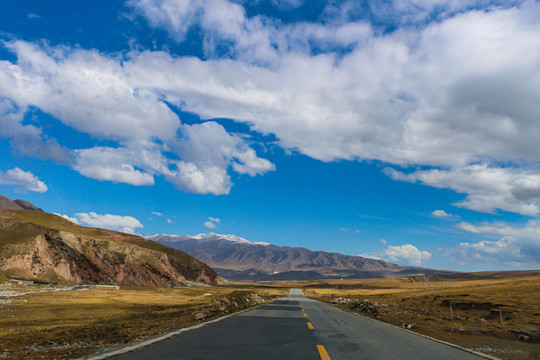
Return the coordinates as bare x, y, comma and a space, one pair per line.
55, 222
25, 225
27, 229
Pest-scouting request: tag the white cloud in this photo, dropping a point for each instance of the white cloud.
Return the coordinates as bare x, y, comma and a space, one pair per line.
518, 245
487, 188
157, 213
112, 164
207, 150
126, 224
355, 108
440, 214
23, 180
86, 91
405, 255
177, 16
212, 223
205, 180
530, 231
382, 241
98, 95
420, 95
72, 219
507, 251
169, 221
209, 225
210, 144
28, 139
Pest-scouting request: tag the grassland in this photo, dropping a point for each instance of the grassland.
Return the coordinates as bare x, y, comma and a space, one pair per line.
71, 324
423, 304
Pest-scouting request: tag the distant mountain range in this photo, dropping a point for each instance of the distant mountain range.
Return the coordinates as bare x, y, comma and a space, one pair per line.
35, 244
6, 203
38, 245
236, 258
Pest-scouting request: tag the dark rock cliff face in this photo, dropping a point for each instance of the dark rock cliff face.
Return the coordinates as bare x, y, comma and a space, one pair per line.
76, 257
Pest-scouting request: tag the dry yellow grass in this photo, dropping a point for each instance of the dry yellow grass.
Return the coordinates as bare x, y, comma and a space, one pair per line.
70, 324
475, 305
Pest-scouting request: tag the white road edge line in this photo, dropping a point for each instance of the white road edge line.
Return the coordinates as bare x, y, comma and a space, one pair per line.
166, 336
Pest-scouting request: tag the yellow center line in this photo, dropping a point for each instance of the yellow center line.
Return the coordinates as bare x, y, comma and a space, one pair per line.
302, 309
305, 314
322, 352
310, 327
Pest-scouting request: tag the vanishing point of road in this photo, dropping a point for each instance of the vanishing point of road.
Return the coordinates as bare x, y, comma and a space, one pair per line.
296, 327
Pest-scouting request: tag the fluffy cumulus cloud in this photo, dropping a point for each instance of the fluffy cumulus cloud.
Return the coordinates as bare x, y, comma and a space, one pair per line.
84, 90
23, 180
517, 245
113, 164
96, 94
207, 151
126, 224
426, 93
404, 255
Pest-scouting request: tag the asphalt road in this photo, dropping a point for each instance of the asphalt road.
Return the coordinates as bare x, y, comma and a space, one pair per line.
298, 328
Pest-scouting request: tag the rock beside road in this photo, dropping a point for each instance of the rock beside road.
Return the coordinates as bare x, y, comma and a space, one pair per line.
229, 304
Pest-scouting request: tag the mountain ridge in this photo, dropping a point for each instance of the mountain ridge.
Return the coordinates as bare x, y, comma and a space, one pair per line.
18, 204
245, 260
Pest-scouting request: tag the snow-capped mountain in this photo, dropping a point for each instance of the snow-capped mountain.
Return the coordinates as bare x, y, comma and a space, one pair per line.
237, 258
205, 237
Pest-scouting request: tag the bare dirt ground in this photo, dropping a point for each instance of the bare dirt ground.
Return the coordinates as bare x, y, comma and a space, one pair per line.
39, 322
423, 305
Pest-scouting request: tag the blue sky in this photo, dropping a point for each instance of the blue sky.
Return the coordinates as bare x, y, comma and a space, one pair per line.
403, 129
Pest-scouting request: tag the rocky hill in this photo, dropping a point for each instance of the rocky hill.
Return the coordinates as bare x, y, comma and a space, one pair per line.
235, 258
35, 244
6, 203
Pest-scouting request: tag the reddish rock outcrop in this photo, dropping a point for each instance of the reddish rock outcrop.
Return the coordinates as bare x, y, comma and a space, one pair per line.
32, 250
